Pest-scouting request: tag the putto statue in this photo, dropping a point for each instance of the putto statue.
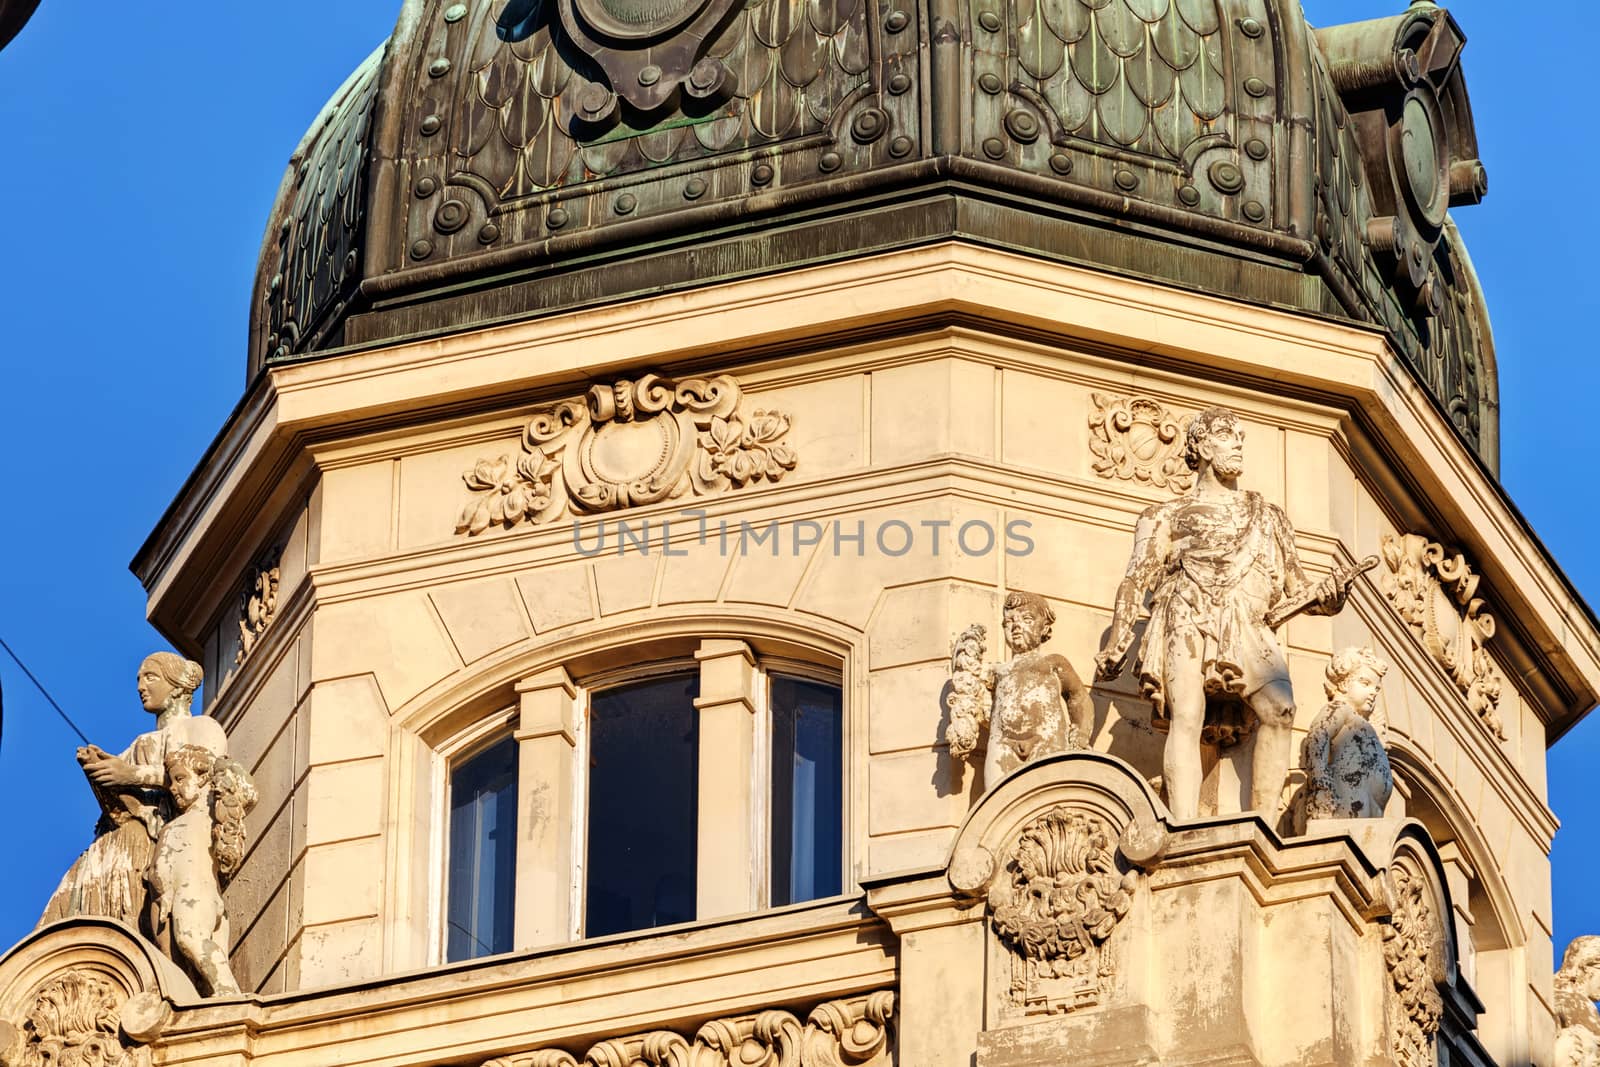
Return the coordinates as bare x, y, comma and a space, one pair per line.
197, 851
1347, 769
1034, 705
1219, 568
1577, 987
133, 870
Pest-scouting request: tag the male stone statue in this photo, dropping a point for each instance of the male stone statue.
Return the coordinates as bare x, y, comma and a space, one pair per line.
1220, 570
1577, 987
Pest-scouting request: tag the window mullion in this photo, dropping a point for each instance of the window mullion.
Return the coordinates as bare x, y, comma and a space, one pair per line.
546, 739
727, 864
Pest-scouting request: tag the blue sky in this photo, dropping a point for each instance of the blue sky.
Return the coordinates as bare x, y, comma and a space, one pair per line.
142, 157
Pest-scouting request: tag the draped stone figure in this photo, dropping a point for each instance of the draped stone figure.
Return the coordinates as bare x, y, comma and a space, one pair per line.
109, 878
1577, 987
1219, 569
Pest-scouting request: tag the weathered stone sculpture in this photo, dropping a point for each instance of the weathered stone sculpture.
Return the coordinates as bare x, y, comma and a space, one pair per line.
198, 849
1220, 570
1034, 705
1347, 769
109, 878
1577, 987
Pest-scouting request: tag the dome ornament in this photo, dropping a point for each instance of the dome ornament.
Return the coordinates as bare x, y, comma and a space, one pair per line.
648, 49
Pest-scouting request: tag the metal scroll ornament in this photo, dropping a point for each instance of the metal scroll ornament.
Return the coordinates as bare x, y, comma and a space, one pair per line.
1061, 897
648, 50
625, 445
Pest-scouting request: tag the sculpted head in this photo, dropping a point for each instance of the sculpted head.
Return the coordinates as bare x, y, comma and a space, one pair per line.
1027, 621
189, 771
1580, 967
1215, 439
1354, 676
167, 681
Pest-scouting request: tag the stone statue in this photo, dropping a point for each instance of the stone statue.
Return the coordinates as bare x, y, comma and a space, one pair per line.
1034, 705
108, 879
1347, 770
1220, 570
198, 849
1577, 987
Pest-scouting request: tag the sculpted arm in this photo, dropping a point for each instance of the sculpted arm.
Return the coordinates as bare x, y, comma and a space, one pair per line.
1080, 712
1151, 538
1329, 596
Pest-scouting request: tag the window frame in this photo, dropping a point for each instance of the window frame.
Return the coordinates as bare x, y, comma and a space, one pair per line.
478, 737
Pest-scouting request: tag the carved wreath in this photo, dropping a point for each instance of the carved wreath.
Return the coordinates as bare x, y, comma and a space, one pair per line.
1065, 892
1421, 576
1410, 945
628, 444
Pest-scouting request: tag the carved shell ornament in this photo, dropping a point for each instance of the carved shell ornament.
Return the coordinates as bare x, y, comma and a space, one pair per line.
625, 445
73, 1021
1134, 438
1061, 896
1411, 955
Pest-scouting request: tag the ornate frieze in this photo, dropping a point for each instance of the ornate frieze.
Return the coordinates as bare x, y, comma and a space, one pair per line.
1410, 947
854, 1032
1136, 439
74, 1021
258, 605
628, 444
1058, 899
1434, 590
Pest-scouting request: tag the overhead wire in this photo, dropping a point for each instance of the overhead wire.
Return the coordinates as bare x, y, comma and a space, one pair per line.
39, 686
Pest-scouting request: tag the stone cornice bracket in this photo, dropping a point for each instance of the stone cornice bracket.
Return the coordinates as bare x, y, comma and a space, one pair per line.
628, 444
258, 604
1434, 590
1135, 438
852, 1032
74, 1018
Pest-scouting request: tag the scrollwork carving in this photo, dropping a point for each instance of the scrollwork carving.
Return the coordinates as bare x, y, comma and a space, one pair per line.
628, 444
258, 605
1136, 439
1410, 947
74, 1021
853, 1032
1434, 590
1062, 894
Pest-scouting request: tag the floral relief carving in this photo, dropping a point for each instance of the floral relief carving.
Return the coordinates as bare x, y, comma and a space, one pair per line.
1058, 900
258, 605
75, 1021
1410, 953
1136, 439
1434, 590
854, 1032
628, 444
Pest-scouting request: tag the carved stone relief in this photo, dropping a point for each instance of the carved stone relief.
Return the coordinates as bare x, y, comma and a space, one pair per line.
1577, 987
1434, 590
1136, 439
1410, 953
1054, 905
853, 1032
73, 1021
258, 605
628, 444
1040, 707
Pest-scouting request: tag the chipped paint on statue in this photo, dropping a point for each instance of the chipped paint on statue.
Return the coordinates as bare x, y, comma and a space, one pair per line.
1577, 987
1034, 705
1347, 769
196, 853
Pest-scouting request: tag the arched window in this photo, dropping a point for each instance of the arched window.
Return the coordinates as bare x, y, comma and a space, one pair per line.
693, 781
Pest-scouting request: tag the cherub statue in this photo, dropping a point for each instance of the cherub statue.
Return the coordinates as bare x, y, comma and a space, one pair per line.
1347, 770
1034, 705
1577, 987
198, 850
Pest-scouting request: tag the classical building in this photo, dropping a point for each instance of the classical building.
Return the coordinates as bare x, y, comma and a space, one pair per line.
656, 414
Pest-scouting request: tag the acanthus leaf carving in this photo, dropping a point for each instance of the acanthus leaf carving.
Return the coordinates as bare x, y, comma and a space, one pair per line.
1060, 897
1434, 591
853, 1032
625, 445
1135, 438
1410, 953
74, 1021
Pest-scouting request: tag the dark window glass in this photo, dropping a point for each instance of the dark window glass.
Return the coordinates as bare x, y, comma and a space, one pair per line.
483, 853
807, 783
644, 754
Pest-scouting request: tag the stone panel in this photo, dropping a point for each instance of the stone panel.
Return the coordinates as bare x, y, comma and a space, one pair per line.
481, 618
556, 596
357, 511
345, 801
396, 638
905, 707
340, 882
